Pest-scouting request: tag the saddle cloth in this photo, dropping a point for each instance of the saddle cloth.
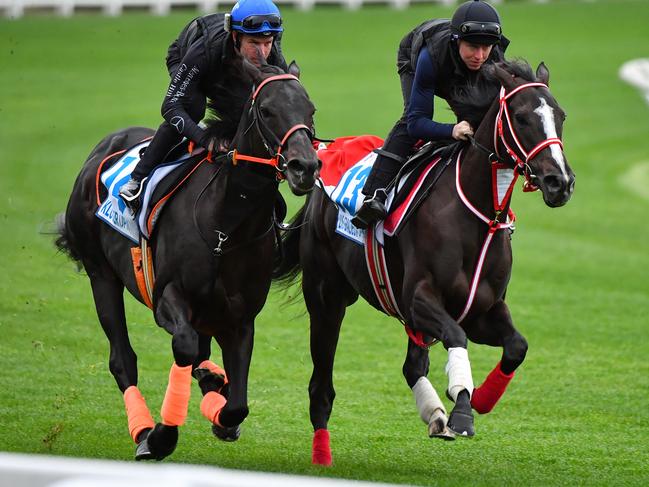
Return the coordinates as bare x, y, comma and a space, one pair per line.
346, 164
157, 189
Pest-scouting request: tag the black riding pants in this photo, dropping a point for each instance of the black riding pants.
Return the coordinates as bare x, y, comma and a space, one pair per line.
398, 141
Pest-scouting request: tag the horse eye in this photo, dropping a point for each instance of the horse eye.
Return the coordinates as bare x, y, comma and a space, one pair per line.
265, 112
521, 119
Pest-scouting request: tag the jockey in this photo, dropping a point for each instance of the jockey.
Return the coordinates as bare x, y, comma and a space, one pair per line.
196, 65
438, 57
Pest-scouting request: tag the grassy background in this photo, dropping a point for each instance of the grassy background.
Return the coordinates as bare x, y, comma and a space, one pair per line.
575, 414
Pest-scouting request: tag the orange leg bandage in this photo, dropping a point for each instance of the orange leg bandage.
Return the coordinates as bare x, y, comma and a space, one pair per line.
215, 369
176, 401
212, 405
139, 417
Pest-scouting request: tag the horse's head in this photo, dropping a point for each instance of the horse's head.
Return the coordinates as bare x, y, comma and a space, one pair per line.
279, 123
529, 128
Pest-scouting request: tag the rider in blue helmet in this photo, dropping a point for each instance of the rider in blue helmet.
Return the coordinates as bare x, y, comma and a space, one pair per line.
439, 57
197, 64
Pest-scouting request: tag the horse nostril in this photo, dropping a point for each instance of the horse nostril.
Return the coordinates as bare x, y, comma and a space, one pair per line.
296, 167
552, 183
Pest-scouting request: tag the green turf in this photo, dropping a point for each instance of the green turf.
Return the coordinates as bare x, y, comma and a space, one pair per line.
576, 412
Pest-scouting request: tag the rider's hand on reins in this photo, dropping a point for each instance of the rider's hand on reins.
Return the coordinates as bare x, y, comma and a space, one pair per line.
461, 130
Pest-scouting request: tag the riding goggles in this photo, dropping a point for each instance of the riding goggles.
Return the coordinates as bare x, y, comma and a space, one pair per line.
256, 22
481, 28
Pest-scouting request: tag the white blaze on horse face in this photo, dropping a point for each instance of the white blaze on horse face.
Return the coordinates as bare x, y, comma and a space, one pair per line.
546, 113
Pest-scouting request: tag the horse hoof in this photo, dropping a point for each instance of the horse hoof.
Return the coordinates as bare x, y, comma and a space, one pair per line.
437, 427
461, 424
162, 441
225, 433
143, 452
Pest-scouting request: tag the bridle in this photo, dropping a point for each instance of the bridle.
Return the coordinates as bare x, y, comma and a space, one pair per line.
522, 157
276, 159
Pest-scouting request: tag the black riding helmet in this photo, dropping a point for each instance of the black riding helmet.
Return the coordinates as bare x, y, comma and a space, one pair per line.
476, 22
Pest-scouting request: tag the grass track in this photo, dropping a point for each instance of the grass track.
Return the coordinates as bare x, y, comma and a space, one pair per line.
577, 410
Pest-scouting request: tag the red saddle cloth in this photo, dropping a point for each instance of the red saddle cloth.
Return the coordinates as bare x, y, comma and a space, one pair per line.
343, 153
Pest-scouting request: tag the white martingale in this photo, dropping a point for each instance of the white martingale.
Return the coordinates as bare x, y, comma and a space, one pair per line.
546, 113
458, 369
427, 399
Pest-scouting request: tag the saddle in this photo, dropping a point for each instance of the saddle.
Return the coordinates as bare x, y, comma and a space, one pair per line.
244, 187
348, 161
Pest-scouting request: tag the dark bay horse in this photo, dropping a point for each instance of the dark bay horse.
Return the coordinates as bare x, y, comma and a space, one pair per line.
199, 293
450, 264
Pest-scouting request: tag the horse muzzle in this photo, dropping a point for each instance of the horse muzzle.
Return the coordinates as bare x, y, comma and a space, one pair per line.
301, 174
556, 188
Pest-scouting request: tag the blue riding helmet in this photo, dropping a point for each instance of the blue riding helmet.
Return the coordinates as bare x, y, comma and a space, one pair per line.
256, 17
478, 22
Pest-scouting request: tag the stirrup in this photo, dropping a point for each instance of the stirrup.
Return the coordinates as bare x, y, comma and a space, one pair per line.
129, 197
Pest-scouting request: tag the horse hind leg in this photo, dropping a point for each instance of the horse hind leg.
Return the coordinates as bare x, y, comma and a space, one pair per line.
431, 409
107, 292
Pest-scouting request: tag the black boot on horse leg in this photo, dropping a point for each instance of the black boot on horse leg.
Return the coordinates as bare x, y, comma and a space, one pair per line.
460, 387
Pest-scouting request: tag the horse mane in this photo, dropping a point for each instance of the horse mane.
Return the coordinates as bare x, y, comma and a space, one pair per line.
472, 102
230, 97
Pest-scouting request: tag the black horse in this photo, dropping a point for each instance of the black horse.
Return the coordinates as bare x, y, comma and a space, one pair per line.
450, 263
199, 293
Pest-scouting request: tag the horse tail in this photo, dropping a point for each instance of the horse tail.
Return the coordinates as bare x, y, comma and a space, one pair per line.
64, 242
287, 267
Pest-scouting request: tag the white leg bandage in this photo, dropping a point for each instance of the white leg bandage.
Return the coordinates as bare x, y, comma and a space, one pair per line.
427, 399
458, 369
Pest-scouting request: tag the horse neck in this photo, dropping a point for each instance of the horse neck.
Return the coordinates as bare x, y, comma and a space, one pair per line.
476, 178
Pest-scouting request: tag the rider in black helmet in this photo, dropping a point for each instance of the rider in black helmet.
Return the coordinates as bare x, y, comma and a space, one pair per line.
437, 58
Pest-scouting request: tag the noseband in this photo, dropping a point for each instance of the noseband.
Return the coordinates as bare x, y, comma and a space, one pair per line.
522, 160
276, 159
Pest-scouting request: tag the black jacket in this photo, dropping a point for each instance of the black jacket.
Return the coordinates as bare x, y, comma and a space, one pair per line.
198, 65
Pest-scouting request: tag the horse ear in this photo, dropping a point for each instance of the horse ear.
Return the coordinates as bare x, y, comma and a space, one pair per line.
543, 74
252, 71
505, 77
294, 69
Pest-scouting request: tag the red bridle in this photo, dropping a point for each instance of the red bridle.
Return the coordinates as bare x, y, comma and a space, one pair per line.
522, 163
273, 161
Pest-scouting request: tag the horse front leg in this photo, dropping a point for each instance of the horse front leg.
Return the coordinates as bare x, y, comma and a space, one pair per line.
172, 312
429, 316
227, 408
496, 328
430, 406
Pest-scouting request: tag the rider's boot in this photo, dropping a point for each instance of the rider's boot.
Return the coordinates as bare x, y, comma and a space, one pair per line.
372, 210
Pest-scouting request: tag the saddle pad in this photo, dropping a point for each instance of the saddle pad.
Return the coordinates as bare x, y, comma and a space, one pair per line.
346, 164
114, 212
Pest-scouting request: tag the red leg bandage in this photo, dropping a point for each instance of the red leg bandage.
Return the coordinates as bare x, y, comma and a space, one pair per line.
215, 369
211, 406
321, 448
486, 396
176, 401
139, 417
